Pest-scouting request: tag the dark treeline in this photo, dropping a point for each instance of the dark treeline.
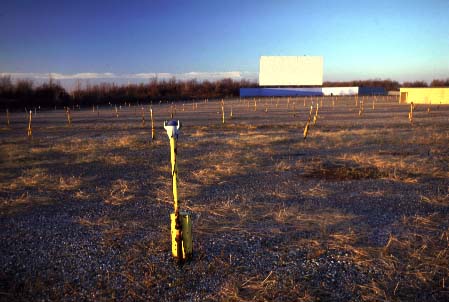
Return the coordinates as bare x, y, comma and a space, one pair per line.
389, 85
156, 90
24, 93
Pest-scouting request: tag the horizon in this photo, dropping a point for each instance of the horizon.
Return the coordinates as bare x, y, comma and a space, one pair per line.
99, 41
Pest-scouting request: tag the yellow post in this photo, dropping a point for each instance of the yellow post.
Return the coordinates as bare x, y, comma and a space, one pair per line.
410, 114
231, 115
222, 111
181, 224
30, 131
306, 128
69, 118
255, 104
152, 124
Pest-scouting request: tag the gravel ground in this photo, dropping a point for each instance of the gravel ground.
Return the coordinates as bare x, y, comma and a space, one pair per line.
356, 212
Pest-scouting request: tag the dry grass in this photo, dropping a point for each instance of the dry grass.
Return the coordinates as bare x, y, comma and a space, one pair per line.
356, 212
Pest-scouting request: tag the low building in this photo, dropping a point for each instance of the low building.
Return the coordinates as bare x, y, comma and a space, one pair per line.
437, 95
310, 91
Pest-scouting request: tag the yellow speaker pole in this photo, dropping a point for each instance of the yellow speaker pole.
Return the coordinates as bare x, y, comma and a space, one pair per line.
69, 119
181, 224
7, 117
30, 131
152, 124
306, 128
316, 115
222, 111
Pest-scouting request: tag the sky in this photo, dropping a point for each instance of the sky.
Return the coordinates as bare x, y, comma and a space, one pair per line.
116, 41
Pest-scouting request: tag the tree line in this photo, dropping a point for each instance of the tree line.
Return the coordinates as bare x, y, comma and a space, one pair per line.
24, 93
389, 85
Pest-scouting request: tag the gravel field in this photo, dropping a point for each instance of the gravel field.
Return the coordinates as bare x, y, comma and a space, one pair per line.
358, 211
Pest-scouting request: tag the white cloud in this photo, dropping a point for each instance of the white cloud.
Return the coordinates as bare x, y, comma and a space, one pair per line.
199, 75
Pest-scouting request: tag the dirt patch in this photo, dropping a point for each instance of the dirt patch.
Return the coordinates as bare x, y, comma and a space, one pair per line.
335, 170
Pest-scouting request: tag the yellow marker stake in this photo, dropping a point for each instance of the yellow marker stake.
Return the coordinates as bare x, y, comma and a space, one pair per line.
231, 115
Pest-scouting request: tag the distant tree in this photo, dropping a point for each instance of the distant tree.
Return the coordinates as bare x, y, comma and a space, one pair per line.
415, 84
388, 84
440, 83
23, 93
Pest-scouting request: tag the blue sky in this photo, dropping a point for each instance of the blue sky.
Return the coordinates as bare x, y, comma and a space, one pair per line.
401, 40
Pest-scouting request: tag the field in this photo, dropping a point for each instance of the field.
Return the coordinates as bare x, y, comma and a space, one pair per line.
357, 211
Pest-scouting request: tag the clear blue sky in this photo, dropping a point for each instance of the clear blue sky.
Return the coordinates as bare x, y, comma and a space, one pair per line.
401, 40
